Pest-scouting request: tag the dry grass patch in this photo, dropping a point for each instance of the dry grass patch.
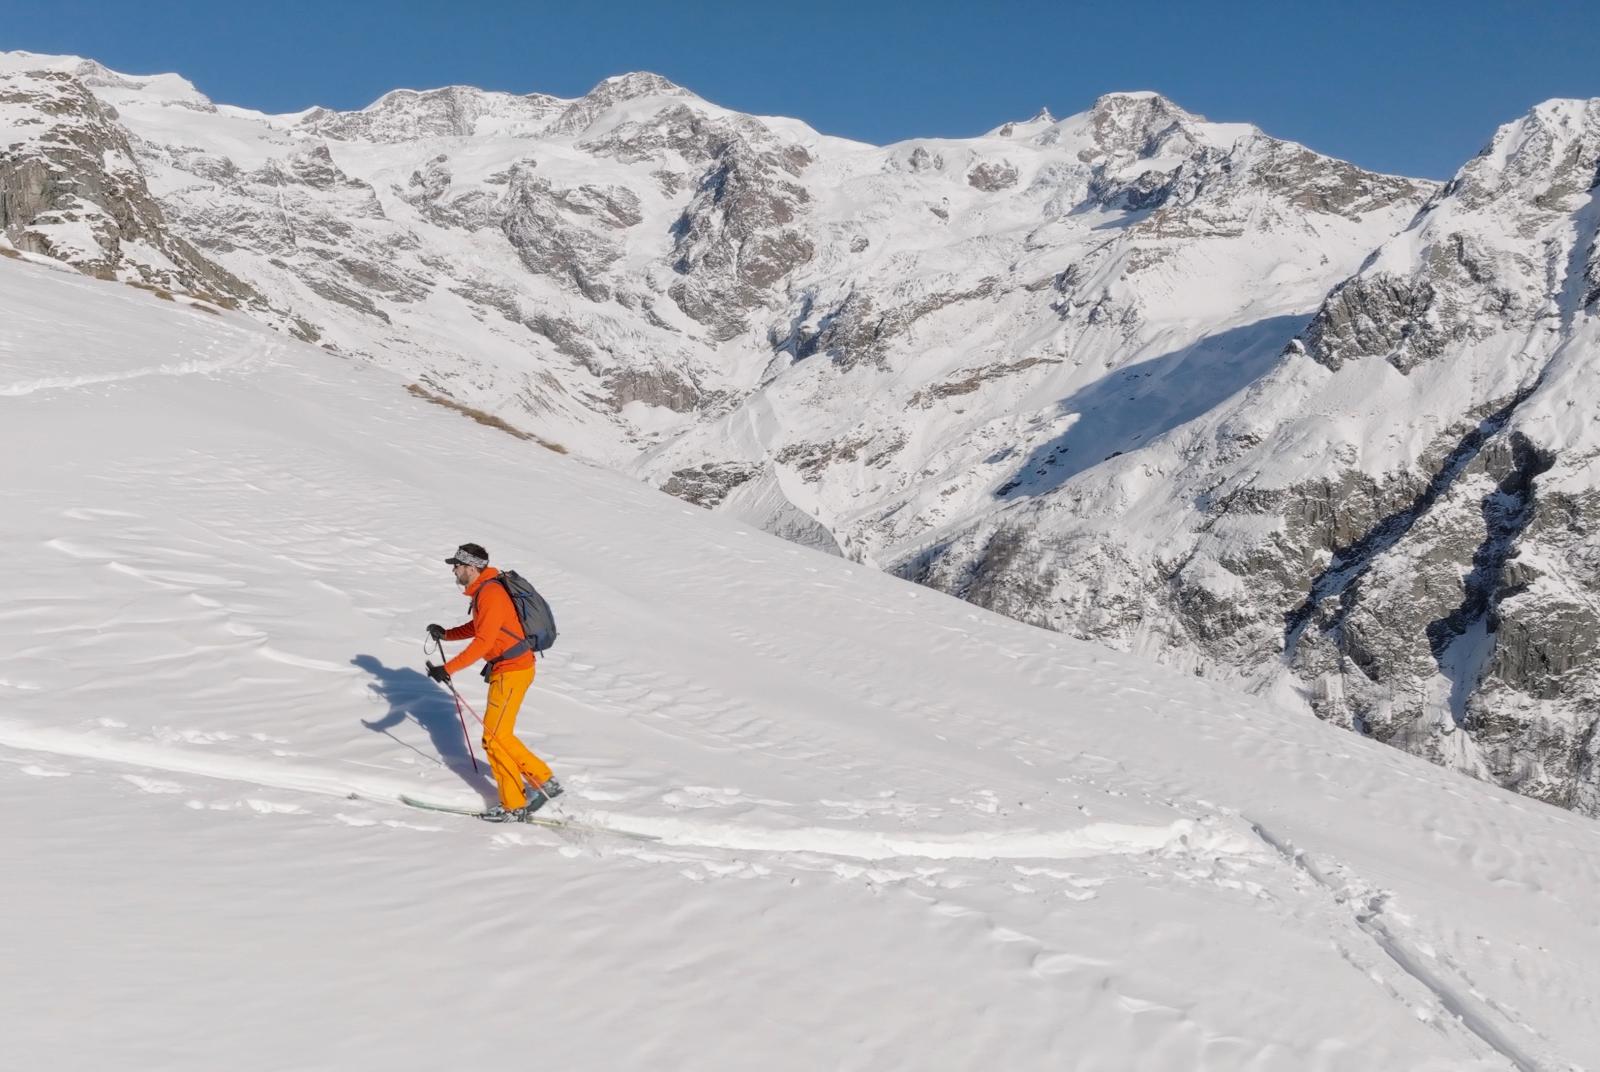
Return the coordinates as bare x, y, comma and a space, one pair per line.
220, 300
160, 292
481, 417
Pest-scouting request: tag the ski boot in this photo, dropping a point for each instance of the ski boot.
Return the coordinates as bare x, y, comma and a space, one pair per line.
539, 796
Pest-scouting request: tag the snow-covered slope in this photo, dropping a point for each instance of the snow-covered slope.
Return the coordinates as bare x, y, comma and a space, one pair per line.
897, 831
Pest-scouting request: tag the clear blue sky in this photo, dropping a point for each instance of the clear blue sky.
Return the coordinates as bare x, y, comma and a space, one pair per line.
1408, 87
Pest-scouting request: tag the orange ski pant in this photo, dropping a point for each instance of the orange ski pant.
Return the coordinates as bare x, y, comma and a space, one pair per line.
509, 758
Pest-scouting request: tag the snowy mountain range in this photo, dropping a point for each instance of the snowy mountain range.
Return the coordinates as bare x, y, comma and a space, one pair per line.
1175, 386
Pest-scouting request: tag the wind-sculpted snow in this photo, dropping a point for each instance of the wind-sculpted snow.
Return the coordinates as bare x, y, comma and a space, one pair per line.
897, 830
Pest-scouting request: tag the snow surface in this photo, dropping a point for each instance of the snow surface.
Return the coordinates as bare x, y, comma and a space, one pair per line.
896, 831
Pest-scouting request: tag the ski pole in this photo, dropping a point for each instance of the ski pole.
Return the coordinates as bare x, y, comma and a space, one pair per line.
460, 701
465, 736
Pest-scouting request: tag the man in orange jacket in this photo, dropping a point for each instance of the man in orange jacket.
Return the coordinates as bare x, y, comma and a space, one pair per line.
497, 638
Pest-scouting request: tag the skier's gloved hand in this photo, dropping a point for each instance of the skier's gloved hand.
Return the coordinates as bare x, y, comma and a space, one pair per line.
436, 632
439, 674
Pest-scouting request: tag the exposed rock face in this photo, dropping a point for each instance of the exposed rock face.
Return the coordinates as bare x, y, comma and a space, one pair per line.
308, 217
1462, 669
1591, 276
974, 380
654, 387
71, 189
709, 484
1129, 127
1313, 183
678, 131
539, 222
740, 235
1459, 299
1379, 314
992, 177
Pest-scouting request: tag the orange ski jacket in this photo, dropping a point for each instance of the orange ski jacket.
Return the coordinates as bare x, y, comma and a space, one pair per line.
494, 627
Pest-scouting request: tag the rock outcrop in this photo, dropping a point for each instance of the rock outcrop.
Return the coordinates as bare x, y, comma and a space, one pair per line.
70, 188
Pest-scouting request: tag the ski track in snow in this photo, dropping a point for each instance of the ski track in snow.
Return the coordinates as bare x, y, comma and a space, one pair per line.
59, 383
1472, 1011
1095, 839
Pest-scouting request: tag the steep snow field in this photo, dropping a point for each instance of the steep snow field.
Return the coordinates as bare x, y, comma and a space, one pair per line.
896, 831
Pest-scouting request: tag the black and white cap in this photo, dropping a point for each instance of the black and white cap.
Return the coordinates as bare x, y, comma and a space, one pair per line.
469, 554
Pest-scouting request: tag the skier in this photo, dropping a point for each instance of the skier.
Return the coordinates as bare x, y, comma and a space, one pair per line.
495, 630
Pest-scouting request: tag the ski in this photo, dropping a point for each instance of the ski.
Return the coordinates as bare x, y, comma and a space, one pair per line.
532, 820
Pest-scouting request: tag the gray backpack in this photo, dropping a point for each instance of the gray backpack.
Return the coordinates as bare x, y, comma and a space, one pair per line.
538, 623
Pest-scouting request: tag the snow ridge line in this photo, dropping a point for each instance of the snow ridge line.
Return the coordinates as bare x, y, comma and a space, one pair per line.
1095, 839
1367, 915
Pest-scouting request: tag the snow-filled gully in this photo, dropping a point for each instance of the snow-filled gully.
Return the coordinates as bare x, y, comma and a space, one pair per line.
1507, 511
1350, 564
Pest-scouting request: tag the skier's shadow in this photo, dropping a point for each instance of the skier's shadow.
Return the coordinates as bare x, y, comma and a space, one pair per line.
414, 696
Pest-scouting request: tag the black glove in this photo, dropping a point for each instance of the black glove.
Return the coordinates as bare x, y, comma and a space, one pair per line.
436, 632
439, 674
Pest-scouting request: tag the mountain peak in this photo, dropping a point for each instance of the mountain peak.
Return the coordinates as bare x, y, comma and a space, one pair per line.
448, 111
634, 84
171, 88
611, 93
1143, 107
1042, 118
1548, 157
1137, 125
